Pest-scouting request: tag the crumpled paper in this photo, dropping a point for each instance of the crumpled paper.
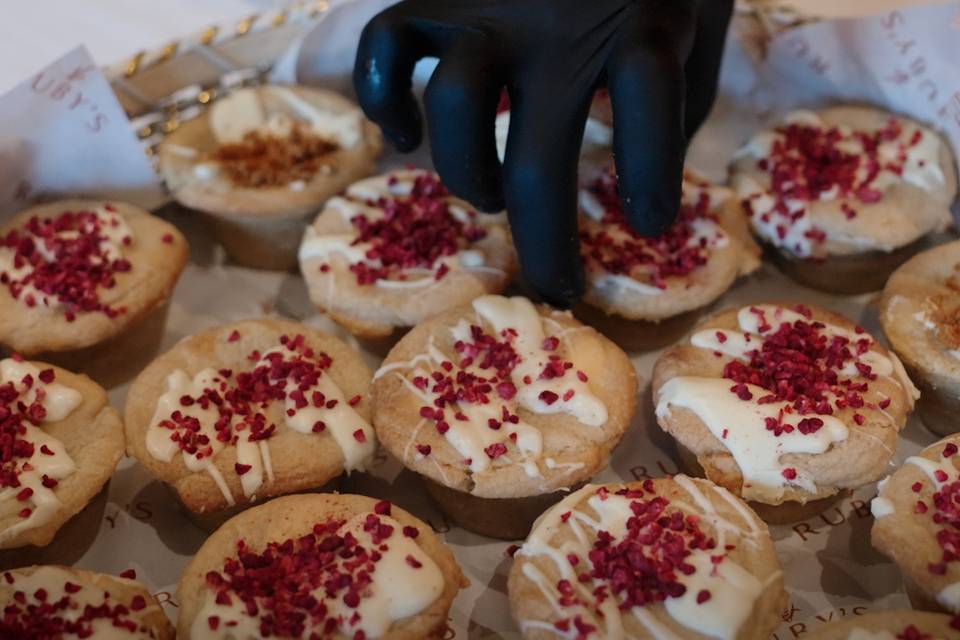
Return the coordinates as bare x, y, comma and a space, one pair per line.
63, 133
831, 570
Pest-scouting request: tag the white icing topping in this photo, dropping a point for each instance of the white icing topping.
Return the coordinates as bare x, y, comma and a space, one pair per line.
361, 199
949, 597
59, 401
706, 233
519, 314
243, 112
741, 425
471, 435
340, 419
397, 591
113, 229
733, 590
791, 227
53, 580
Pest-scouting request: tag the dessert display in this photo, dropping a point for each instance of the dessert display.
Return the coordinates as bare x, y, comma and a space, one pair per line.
59, 444
665, 558
845, 195
250, 410
917, 525
920, 314
502, 406
86, 284
261, 160
395, 249
330, 566
644, 292
785, 405
890, 625
59, 602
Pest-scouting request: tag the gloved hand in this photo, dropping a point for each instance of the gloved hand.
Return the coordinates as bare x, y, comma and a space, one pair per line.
659, 59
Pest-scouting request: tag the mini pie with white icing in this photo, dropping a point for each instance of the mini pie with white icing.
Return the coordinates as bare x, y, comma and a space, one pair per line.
64, 444
75, 273
54, 602
689, 266
673, 557
270, 150
783, 402
503, 399
335, 566
845, 180
920, 314
397, 248
890, 625
917, 521
249, 410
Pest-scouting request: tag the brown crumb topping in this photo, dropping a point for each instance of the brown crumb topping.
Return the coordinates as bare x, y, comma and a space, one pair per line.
260, 161
944, 311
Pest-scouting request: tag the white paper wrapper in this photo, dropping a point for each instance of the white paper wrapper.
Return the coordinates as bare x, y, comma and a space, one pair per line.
62, 131
831, 570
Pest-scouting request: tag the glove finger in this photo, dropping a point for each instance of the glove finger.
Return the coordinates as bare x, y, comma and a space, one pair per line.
390, 46
540, 184
702, 69
461, 104
646, 85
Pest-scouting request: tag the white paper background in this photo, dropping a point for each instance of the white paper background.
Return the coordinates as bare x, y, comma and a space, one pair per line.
831, 570
62, 131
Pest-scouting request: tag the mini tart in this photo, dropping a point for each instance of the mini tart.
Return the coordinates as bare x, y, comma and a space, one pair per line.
917, 525
391, 577
500, 404
653, 280
66, 442
782, 404
249, 410
86, 283
666, 558
261, 159
398, 248
56, 602
846, 194
920, 314
890, 625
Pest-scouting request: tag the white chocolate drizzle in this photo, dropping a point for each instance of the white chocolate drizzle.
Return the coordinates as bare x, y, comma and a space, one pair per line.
363, 198
53, 580
49, 458
740, 426
785, 222
471, 436
243, 112
397, 591
733, 590
339, 417
114, 232
706, 234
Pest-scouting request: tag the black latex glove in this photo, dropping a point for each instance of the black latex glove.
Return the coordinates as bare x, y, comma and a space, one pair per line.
659, 59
